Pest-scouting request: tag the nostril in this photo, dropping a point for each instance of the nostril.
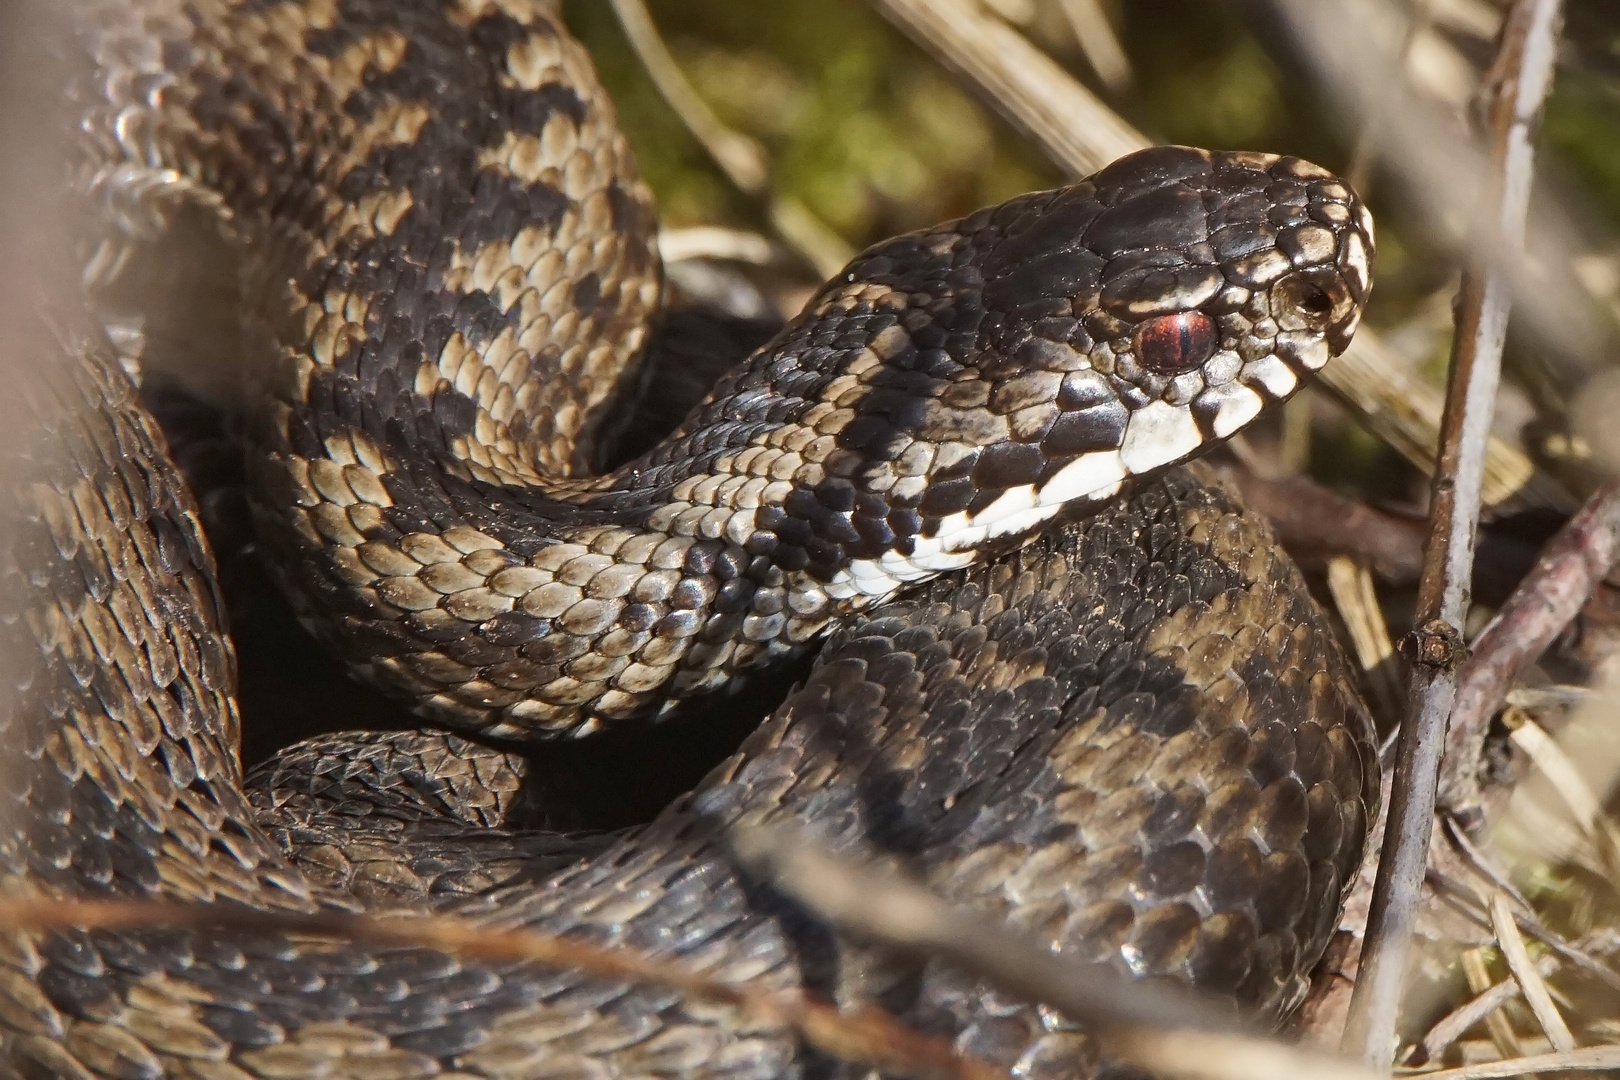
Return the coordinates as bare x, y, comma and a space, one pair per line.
1317, 303
1309, 300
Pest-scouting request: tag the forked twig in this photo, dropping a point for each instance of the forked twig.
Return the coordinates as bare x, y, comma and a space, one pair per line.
866, 1035
1525, 64
1570, 568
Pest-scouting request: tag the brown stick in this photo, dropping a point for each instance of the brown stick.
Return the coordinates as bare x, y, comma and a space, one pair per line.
1317, 524
1525, 65
1570, 569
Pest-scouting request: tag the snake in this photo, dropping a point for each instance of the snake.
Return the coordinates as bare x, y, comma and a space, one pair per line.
1064, 680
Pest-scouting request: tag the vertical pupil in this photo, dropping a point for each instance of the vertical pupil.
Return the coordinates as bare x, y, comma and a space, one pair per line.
1172, 344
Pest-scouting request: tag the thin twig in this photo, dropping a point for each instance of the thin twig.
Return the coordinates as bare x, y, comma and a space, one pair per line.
1593, 1057
1570, 568
1081, 134
741, 158
1483, 864
1526, 59
1526, 975
1133, 1018
866, 1035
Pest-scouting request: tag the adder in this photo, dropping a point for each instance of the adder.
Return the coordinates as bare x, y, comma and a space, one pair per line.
1064, 681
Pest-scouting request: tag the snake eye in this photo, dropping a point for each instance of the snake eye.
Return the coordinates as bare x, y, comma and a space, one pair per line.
1172, 344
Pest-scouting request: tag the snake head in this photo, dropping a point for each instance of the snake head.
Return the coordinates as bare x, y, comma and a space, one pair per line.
1039, 353
1136, 317
1177, 293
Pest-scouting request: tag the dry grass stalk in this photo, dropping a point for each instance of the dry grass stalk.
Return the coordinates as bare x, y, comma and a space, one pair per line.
1351, 584
714, 242
1525, 974
1478, 974
1566, 779
1595, 1057
742, 159
1488, 1000
1096, 37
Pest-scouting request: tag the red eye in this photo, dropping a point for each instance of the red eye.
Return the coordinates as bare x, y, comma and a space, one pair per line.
1172, 344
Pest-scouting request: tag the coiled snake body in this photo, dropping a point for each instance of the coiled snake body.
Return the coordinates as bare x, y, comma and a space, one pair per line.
1133, 736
